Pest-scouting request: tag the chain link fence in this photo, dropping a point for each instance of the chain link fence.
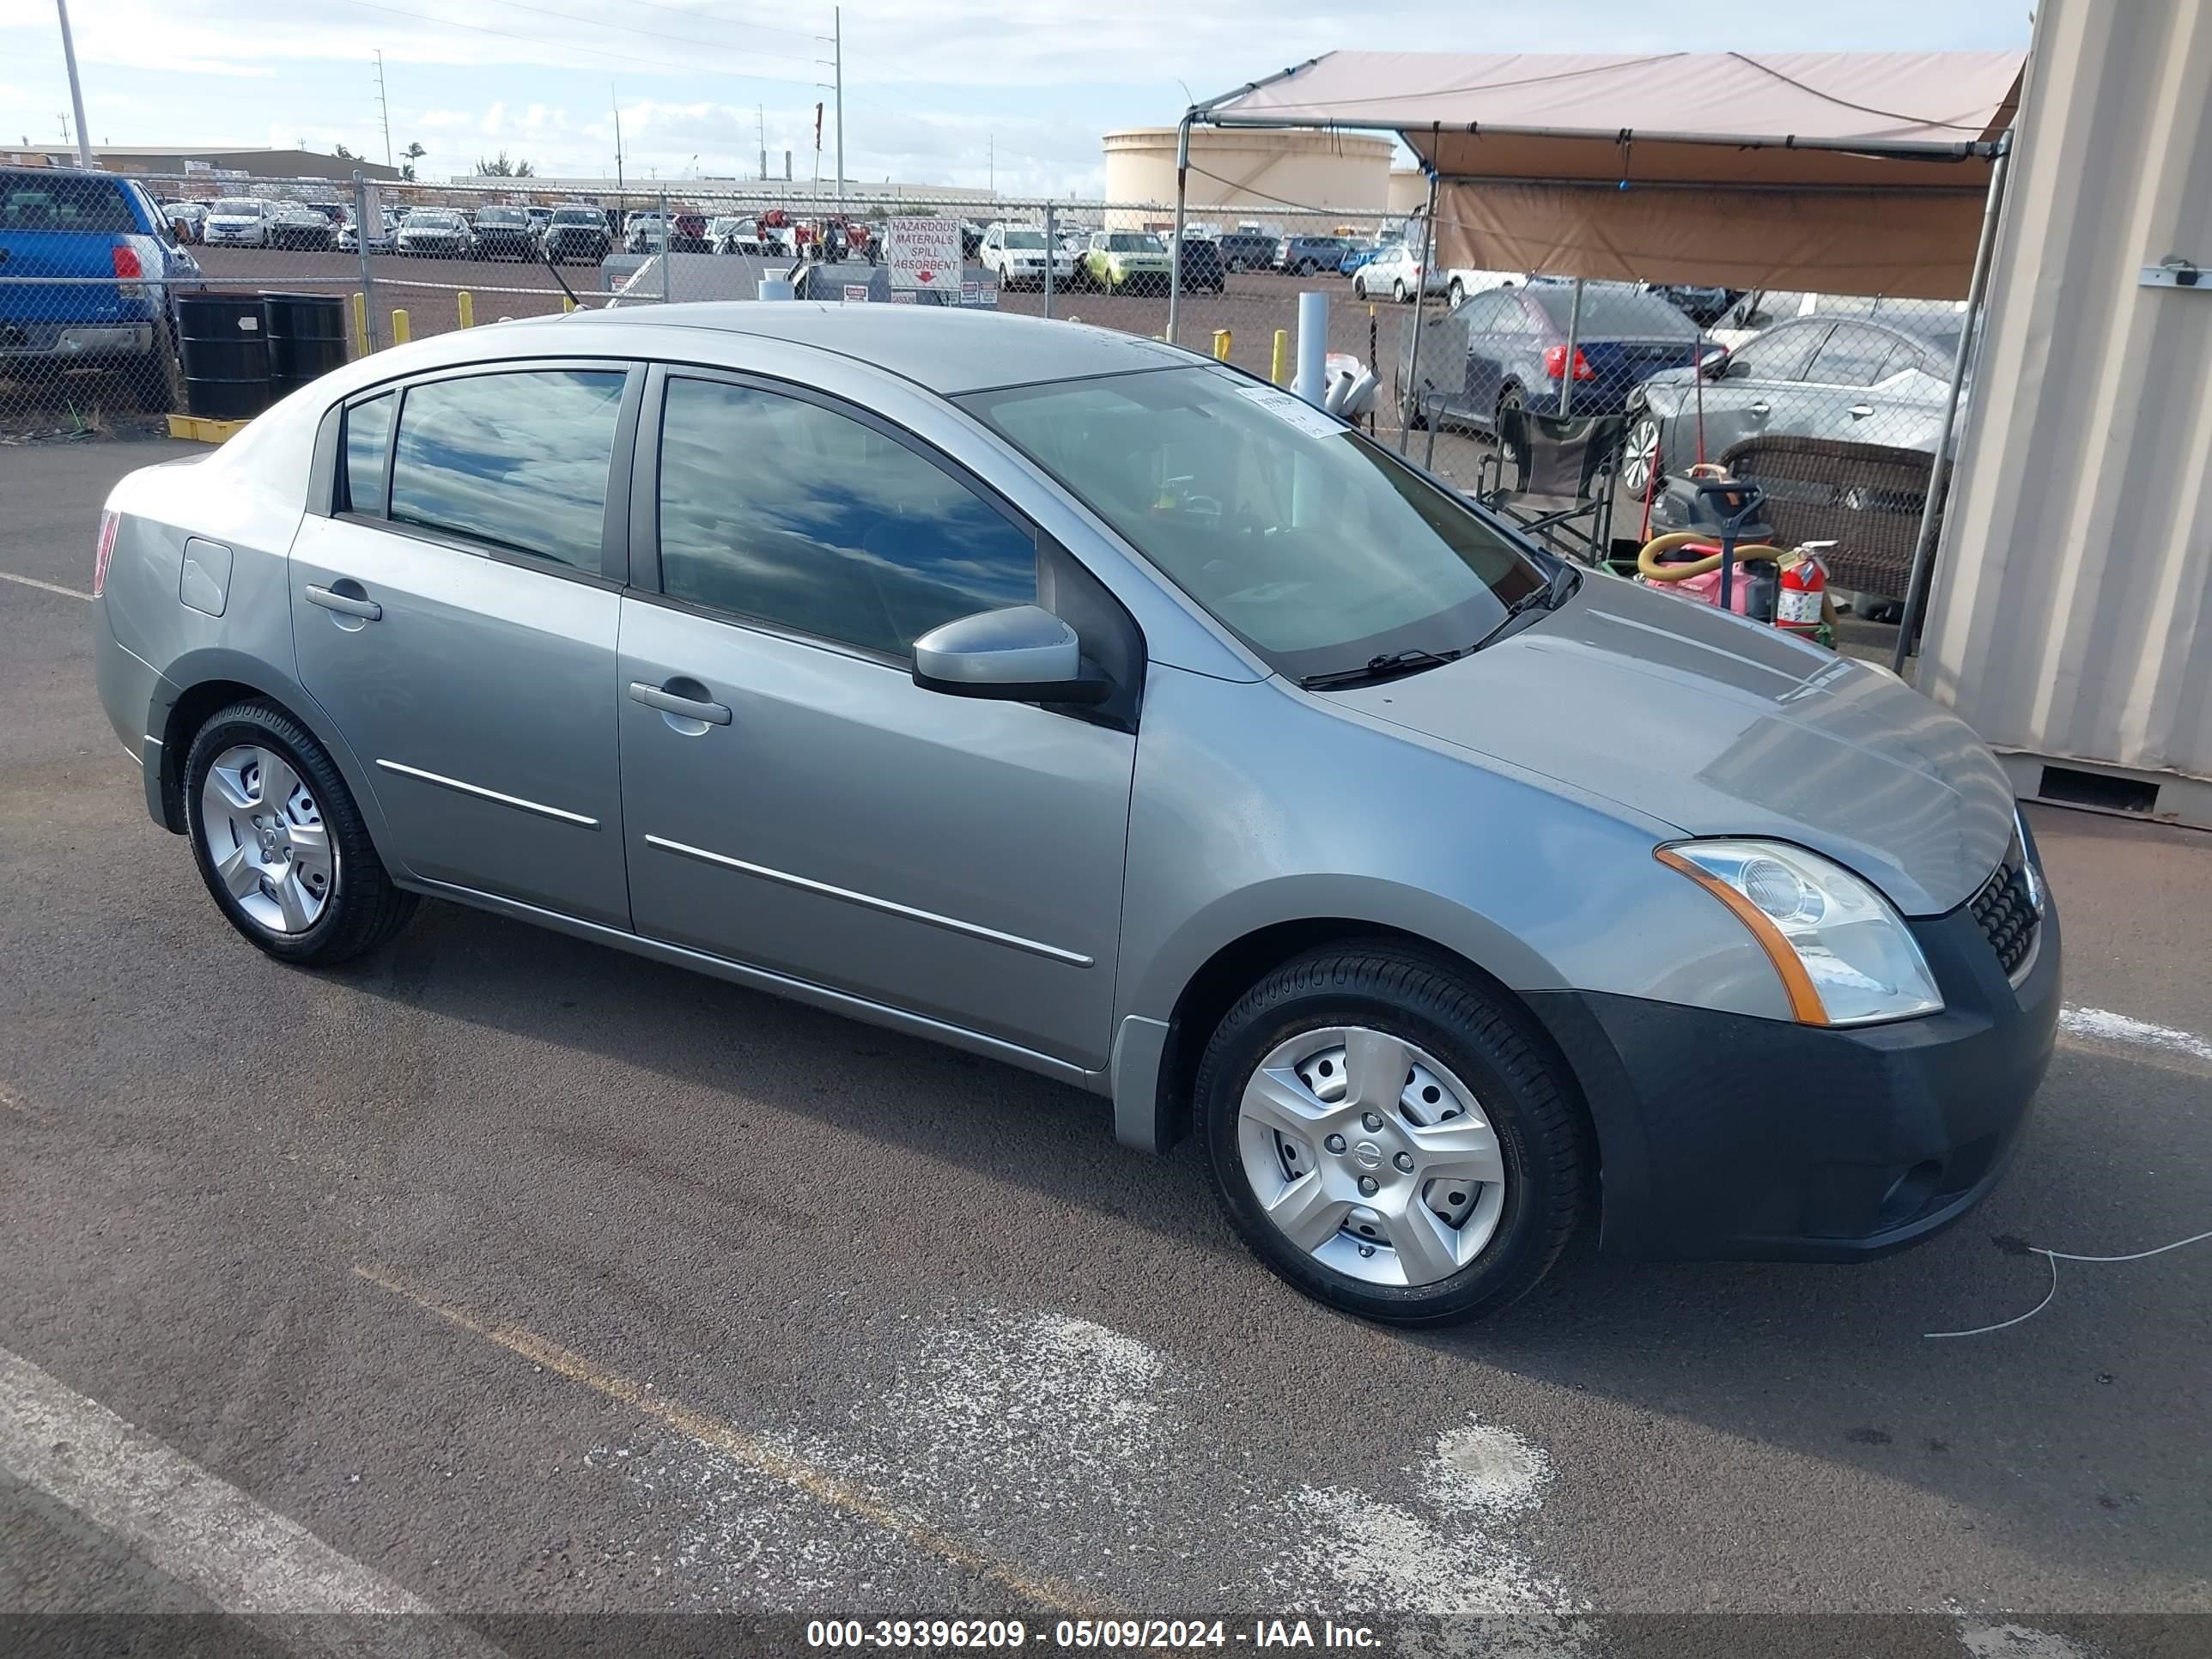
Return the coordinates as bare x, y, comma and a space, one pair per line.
1558, 395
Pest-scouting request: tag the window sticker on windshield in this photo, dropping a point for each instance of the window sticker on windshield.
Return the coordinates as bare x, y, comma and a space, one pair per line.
1313, 423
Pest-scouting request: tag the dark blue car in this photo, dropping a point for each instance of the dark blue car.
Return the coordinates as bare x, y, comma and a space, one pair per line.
1507, 348
60, 222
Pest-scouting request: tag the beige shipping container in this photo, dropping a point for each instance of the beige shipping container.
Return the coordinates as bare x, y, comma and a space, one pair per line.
2070, 620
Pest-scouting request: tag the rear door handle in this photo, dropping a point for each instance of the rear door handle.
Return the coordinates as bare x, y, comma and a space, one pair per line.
691, 708
1860, 412
344, 603
1762, 407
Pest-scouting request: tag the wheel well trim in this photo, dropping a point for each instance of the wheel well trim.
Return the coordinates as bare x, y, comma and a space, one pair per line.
195, 686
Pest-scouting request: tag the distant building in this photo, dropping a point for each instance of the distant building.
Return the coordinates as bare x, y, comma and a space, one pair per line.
249, 163
811, 196
1345, 173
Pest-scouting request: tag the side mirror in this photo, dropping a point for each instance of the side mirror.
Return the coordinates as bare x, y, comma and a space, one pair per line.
1716, 363
1023, 654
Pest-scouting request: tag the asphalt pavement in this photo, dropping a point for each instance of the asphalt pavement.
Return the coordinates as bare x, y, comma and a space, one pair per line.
500, 1275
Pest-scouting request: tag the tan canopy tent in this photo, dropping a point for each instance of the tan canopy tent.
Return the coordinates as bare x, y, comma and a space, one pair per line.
1854, 173
1851, 173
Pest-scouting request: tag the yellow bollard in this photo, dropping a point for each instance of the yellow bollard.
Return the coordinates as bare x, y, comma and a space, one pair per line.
400, 335
465, 303
361, 324
1281, 372
1221, 344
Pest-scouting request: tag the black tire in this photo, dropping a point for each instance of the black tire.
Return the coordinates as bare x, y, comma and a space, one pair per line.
1509, 397
1457, 294
364, 909
1397, 289
1422, 999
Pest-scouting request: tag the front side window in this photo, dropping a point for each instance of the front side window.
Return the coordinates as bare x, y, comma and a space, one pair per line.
1780, 356
367, 435
780, 509
1316, 547
516, 461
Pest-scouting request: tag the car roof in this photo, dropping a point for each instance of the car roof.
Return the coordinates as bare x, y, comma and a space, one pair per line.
947, 349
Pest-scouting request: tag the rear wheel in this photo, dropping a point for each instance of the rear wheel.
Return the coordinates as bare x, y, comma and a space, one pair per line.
1458, 293
1397, 289
281, 845
1510, 398
1386, 1138
1639, 456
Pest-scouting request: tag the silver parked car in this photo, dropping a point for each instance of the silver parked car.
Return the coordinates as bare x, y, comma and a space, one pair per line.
1090, 705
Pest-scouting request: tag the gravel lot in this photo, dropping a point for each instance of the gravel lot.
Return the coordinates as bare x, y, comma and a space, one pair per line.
531, 1279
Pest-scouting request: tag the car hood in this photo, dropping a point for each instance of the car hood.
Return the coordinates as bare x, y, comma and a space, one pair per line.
1722, 727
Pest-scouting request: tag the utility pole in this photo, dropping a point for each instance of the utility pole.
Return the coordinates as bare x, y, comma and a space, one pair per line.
76, 92
622, 196
837, 68
383, 107
759, 115
991, 164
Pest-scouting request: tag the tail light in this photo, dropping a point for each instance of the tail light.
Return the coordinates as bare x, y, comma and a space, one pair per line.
1555, 363
110, 520
126, 261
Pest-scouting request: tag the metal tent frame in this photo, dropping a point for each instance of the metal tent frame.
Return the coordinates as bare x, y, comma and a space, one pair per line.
1997, 150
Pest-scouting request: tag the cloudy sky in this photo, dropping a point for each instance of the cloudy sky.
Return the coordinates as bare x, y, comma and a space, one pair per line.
935, 92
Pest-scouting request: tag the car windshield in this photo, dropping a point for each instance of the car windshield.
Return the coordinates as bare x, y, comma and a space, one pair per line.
579, 216
1316, 546
1025, 239
432, 219
235, 208
1128, 242
502, 216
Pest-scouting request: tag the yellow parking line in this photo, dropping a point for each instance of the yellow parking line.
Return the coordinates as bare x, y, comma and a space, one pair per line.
717, 1436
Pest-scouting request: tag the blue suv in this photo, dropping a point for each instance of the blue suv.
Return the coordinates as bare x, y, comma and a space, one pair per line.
60, 222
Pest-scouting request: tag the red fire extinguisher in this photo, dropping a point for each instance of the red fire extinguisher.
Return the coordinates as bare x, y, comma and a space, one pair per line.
1803, 591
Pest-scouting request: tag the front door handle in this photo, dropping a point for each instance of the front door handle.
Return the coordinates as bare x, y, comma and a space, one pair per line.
1762, 407
691, 708
1860, 412
346, 604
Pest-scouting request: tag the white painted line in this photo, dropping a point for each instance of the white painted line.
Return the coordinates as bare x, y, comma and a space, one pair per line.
195, 1527
2104, 1026
46, 588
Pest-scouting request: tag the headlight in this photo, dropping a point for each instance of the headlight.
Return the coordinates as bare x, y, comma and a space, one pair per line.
1845, 956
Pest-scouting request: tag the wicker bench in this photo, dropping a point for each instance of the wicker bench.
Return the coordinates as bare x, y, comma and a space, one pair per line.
1866, 498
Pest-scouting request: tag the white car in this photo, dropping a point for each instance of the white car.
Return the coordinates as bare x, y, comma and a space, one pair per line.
1461, 281
1396, 271
1017, 254
238, 222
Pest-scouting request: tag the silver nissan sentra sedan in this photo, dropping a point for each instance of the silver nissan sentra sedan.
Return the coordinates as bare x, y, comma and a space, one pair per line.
1088, 704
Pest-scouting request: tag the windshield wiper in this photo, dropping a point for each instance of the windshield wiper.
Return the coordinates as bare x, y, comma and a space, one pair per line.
1556, 591
1388, 665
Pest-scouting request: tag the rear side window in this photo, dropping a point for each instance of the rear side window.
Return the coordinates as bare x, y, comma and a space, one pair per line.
517, 461
368, 434
62, 201
778, 508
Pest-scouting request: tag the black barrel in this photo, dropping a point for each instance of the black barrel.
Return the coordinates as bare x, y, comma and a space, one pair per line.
307, 337
224, 342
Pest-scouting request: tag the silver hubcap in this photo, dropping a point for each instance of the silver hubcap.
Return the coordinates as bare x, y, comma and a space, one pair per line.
1370, 1156
267, 840
1642, 453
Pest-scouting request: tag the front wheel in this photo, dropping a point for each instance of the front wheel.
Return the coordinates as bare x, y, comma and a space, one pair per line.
281, 845
1387, 1138
1640, 455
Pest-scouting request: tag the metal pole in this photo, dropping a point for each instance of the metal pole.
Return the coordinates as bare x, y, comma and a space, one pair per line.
1939, 473
1412, 393
1574, 338
837, 47
667, 252
1183, 192
76, 92
1051, 255
360, 235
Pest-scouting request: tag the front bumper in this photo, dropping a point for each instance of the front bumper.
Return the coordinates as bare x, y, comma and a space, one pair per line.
1723, 1136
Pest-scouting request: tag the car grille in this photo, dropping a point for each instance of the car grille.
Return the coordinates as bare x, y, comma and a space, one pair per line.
2005, 912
